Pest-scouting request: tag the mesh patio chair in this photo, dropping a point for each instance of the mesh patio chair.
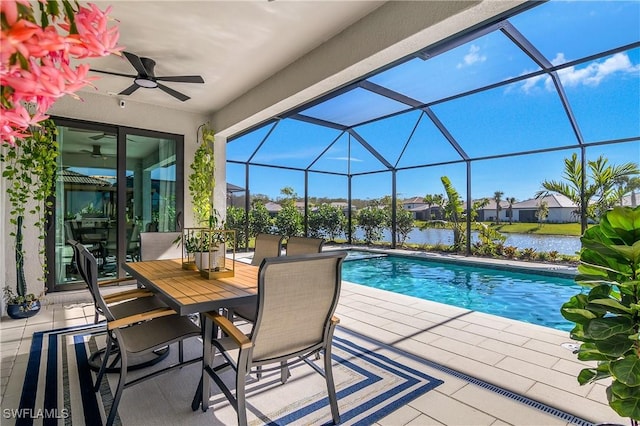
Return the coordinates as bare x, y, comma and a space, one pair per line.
267, 245
304, 245
123, 303
160, 245
295, 246
297, 297
137, 335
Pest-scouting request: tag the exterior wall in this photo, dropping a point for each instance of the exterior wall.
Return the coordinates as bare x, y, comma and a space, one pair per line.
105, 109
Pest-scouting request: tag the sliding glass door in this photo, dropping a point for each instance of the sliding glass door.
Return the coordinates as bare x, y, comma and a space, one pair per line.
113, 183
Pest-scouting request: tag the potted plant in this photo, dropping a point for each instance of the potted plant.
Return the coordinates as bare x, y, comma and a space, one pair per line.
607, 318
30, 170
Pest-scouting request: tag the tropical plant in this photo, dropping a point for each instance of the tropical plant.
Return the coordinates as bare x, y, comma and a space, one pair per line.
289, 221
236, 219
30, 171
600, 185
497, 197
404, 224
511, 201
453, 212
202, 180
372, 219
260, 221
37, 66
607, 319
542, 212
327, 221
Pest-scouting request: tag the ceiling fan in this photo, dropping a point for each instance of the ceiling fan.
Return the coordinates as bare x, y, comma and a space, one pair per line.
147, 79
96, 152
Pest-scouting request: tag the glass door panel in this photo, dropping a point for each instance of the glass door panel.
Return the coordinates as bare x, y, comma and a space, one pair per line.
85, 201
99, 166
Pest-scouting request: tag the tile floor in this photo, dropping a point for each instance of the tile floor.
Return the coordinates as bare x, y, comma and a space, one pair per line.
489, 353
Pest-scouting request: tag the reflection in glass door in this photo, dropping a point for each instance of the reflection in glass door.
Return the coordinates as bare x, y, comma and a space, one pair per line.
99, 166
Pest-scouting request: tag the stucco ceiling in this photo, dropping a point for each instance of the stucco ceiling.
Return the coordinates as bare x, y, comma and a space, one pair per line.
233, 45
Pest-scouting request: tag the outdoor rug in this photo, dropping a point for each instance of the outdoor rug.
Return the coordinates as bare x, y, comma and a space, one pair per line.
371, 382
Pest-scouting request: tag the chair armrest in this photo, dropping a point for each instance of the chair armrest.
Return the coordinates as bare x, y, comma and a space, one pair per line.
144, 316
116, 281
126, 295
229, 329
335, 320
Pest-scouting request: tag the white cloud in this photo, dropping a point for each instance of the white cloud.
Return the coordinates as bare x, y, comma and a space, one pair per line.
472, 57
591, 75
344, 159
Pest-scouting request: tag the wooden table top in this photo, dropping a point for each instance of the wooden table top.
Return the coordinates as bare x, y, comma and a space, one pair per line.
187, 292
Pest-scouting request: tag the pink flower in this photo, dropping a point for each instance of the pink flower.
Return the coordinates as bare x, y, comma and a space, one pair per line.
35, 61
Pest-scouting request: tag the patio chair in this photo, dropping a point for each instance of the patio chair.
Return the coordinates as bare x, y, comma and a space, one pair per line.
297, 297
137, 335
267, 245
304, 245
122, 303
295, 246
160, 245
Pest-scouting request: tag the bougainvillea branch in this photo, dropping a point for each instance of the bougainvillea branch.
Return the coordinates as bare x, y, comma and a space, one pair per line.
35, 57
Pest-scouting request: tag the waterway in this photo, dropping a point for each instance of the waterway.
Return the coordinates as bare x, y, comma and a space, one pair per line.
560, 243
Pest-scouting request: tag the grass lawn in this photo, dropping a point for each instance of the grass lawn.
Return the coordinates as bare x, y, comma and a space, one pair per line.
534, 228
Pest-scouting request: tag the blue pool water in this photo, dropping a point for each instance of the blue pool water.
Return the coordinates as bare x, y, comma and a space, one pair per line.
525, 297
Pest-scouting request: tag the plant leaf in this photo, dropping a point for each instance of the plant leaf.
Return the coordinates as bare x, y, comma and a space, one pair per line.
627, 370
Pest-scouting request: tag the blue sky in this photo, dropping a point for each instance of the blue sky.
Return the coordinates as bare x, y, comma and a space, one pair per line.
604, 96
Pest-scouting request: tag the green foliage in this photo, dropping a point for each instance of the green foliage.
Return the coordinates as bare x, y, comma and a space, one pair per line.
235, 220
602, 184
327, 222
404, 224
289, 221
259, 220
608, 317
30, 171
372, 220
453, 212
202, 180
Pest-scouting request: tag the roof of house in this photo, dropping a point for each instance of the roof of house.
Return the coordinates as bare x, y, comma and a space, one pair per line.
272, 207
552, 200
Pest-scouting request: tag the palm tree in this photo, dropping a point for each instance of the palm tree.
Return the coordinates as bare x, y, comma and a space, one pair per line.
511, 201
429, 201
600, 185
497, 196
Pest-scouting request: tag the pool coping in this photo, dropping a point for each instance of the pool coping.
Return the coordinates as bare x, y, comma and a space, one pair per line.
539, 268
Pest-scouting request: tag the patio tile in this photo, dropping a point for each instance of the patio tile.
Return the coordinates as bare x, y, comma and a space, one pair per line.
491, 374
518, 352
424, 420
540, 374
469, 350
402, 416
496, 334
573, 403
507, 410
449, 411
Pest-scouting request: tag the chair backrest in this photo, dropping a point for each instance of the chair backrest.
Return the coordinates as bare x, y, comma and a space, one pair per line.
267, 245
89, 265
304, 245
297, 296
160, 245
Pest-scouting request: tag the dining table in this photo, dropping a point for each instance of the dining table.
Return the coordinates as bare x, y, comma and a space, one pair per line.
187, 292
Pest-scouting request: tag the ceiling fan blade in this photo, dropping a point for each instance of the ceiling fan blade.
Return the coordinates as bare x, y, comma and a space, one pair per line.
137, 63
182, 79
129, 90
173, 93
114, 73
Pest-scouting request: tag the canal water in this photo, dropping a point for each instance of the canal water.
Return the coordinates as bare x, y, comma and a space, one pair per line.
561, 244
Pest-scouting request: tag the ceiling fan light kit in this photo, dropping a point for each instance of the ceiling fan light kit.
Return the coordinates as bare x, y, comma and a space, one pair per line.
147, 79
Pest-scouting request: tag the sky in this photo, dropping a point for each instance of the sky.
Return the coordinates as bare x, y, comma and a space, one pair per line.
526, 115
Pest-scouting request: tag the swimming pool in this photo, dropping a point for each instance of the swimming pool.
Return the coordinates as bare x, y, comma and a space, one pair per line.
525, 297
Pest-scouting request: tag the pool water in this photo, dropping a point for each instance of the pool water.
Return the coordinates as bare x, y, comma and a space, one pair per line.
525, 297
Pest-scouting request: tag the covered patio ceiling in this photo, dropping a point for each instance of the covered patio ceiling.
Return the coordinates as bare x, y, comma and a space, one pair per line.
554, 76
